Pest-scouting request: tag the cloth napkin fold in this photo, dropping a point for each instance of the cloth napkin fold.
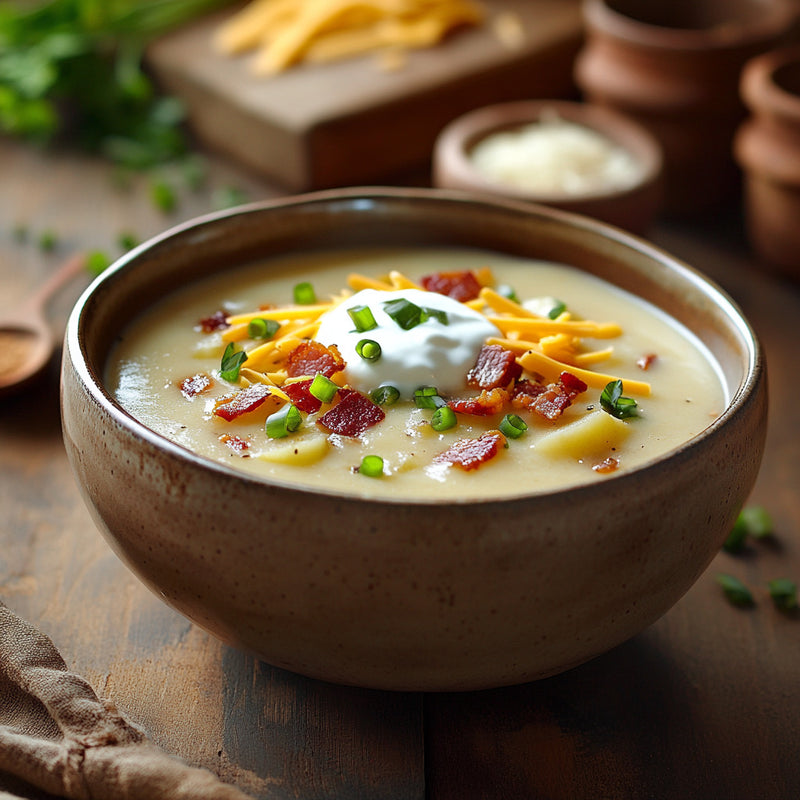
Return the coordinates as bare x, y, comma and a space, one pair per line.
59, 737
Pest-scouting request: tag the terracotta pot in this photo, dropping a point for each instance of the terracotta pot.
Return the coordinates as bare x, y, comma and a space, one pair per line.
767, 146
674, 65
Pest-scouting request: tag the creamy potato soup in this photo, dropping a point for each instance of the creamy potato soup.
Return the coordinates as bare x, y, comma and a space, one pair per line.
454, 374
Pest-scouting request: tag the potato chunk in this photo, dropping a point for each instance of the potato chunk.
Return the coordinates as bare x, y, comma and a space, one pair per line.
591, 437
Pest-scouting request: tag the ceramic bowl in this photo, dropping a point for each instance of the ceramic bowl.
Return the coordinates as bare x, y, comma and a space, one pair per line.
427, 595
633, 208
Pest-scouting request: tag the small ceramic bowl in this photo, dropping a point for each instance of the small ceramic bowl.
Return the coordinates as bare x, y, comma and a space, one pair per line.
444, 594
632, 207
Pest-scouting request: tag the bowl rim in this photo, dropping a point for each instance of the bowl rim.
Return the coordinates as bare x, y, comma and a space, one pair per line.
457, 138
76, 357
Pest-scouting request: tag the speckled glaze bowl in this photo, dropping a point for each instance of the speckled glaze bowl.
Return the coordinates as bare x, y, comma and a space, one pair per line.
632, 208
451, 595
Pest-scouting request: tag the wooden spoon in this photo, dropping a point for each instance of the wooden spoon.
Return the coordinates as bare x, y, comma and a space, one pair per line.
26, 341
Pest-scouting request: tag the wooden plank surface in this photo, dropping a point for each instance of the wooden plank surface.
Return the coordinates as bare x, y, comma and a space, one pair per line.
350, 122
704, 704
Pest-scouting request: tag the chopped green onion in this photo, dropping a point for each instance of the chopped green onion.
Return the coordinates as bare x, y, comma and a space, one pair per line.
512, 426
283, 422
443, 419
368, 349
428, 397
304, 294
386, 395
783, 593
504, 290
736, 538
126, 241
363, 318
260, 328
371, 466
163, 196
48, 241
757, 522
97, 261
405, 313
614, 403
434, 313
557, 310
323, 388
736, 592
232, 360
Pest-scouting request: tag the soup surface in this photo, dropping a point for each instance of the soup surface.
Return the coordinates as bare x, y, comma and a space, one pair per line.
543, 377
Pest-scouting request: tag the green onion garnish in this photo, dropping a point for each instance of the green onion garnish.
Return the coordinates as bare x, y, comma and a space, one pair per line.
736, 538
232, 360
261, 328
614, 403
435, 313
323, 388
508, 291
405, 313
385, 395
557, 310
428, 397
443, 419
512, 426
736, 592
757, 521
368, 349
363, 318
283, 422
371, 466
783, 593
304, 294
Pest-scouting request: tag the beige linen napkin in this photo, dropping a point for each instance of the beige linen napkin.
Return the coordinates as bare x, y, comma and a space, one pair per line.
58, 736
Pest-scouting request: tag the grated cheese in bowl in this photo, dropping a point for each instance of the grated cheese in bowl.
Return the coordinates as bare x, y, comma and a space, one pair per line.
554, 156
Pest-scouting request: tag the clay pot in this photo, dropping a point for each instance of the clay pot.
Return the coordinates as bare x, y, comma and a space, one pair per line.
674, 65
767, 146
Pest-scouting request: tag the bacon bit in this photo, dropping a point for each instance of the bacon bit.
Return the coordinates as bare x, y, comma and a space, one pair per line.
236, 443
485, 404
558, 397
311, 357
645, 361
469, 454
525, 392
218, 321
242, 402
302, 397
461, 286
196, 384
607, 466
352, 415
494, 367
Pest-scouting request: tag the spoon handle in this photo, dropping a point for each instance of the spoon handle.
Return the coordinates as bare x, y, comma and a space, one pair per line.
68, 270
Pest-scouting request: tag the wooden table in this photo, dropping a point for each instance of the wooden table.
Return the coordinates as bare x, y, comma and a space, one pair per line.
704, 704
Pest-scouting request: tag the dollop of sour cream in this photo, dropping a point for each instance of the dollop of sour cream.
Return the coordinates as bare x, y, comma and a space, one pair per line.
430, 354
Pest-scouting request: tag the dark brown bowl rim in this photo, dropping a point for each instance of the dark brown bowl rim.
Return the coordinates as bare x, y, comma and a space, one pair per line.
367, 199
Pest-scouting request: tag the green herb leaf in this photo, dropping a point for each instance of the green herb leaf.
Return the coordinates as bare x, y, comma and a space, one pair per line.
614, 403
163, 196
557, 310
371, 466
232, 360
783, 593
434, 313
405, 313
737, 537
260, 328
736, 592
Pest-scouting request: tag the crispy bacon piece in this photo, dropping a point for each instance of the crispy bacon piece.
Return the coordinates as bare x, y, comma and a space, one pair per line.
494, 367
352, 415
242, 402
195, 384
607, 466
485, 404
645, 361
311, 357
558, 397
525, 392
218, 321
469, 454
302, 397
235, 443
460, 285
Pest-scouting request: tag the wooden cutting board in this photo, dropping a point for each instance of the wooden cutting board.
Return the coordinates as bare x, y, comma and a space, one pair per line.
350, 122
